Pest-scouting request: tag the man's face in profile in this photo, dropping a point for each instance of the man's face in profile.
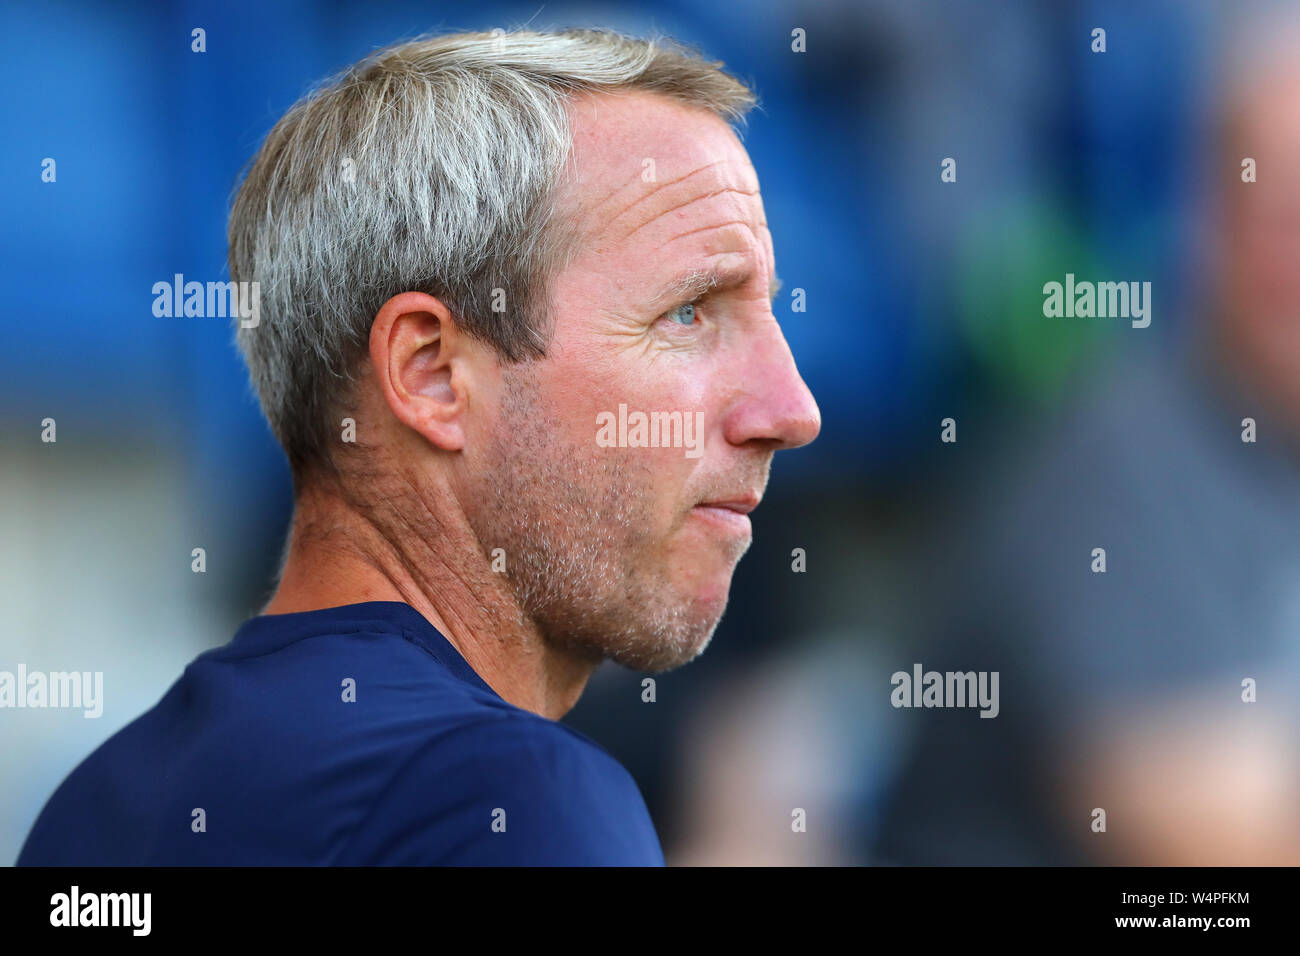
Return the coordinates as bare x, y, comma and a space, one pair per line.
628, 552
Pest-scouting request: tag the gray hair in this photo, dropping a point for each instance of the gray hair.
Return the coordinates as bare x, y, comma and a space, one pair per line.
430, 166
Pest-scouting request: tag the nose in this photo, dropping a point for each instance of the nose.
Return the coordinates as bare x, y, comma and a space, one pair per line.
774, 406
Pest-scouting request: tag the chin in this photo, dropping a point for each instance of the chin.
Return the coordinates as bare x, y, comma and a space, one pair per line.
667, 651
677, 634
708, 590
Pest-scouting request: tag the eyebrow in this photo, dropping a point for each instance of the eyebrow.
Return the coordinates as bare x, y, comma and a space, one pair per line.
698, 282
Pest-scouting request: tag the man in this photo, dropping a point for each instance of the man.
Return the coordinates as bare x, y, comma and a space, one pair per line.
485, 262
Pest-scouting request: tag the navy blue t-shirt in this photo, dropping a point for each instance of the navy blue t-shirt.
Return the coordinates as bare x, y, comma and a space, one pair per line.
427, 765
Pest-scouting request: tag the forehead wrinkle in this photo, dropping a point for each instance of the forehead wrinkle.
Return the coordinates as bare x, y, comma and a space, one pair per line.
592, 208
715, 225
660, 187
682, 205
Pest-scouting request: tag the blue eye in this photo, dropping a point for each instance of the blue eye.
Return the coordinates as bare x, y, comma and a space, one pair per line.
683, 314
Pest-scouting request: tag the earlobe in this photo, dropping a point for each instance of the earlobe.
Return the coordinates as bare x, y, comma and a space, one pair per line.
415, 355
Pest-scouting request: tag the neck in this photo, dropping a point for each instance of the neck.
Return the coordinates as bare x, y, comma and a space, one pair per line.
341, 554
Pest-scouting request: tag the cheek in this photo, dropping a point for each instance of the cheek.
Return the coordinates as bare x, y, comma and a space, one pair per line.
600, 393
670, 400
594, 387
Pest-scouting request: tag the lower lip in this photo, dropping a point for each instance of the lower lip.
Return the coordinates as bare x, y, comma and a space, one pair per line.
724, 518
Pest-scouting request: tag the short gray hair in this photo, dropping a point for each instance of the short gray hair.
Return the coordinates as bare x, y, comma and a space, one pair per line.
430, 166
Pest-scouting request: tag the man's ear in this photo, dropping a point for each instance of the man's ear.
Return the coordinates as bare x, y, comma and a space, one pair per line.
419, 356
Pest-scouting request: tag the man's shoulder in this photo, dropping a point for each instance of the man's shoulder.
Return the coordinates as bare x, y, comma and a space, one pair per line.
347, 679
513, 788
510, 740
359, 746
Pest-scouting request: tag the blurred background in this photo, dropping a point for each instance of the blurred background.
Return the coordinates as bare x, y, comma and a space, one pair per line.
1120, 691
